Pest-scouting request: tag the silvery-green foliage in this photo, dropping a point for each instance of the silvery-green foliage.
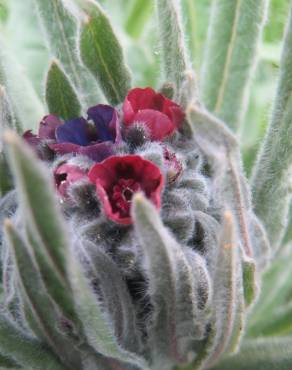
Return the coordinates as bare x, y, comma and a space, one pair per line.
178, 288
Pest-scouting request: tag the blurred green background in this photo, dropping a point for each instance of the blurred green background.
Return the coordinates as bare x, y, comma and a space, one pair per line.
134, 22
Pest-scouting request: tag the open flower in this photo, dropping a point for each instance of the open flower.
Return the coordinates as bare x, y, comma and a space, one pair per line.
160, 115
65, 175
79, 136
118, 178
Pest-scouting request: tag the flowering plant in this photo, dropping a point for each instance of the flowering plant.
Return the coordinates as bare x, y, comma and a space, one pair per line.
130, 238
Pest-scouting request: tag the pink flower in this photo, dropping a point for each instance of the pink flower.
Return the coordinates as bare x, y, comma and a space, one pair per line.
118, 178
161, 115
65, 175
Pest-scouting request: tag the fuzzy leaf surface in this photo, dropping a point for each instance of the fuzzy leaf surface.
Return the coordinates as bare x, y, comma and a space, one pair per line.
60, 95
271, 185
174, 57
102, 54
60, 33
25, 350
234, 35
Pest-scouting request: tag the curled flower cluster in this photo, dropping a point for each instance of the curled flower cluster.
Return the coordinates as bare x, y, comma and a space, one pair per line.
108, 141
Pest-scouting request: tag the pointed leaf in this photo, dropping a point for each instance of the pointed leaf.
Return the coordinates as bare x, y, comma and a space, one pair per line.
43, 222
45, 313
174, 56
102, 271
60, 95
26, 351
60, 31
234, 35
160, 250
97, 327
270, 182
102, 53
226, 289
25, 103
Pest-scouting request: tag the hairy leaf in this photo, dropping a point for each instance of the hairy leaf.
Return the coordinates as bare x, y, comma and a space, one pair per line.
102, 53
175, 63
271, 185
60, 31
26, 351
60, 95
234, 34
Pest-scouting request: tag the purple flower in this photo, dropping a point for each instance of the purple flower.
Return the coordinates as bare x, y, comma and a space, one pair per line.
94, 139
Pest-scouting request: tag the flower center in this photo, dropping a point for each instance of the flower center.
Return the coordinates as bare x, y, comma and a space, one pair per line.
60, 178
122, 195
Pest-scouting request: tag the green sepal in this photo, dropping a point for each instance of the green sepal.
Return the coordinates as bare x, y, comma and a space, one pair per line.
61, 98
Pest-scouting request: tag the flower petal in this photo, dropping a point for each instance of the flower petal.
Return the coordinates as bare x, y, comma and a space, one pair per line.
97, 152
138, 99
65, 175
75, 131
128, 173
106, 122
159, 125
48, 126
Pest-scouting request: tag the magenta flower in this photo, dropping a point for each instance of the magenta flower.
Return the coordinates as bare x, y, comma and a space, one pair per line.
65, 175
118, 178
161, 115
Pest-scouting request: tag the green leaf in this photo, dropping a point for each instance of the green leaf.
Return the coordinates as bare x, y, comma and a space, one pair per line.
139, 14
102, 53
275, 294
97, 328
7, 120
261, 354
271, 185
60, 32
25, 103
60, 95
184, 281
234, 35
26, 351
174, 58
42, 220
46, 315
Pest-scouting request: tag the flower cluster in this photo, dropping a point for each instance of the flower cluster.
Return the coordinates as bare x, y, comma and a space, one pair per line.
106, 138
